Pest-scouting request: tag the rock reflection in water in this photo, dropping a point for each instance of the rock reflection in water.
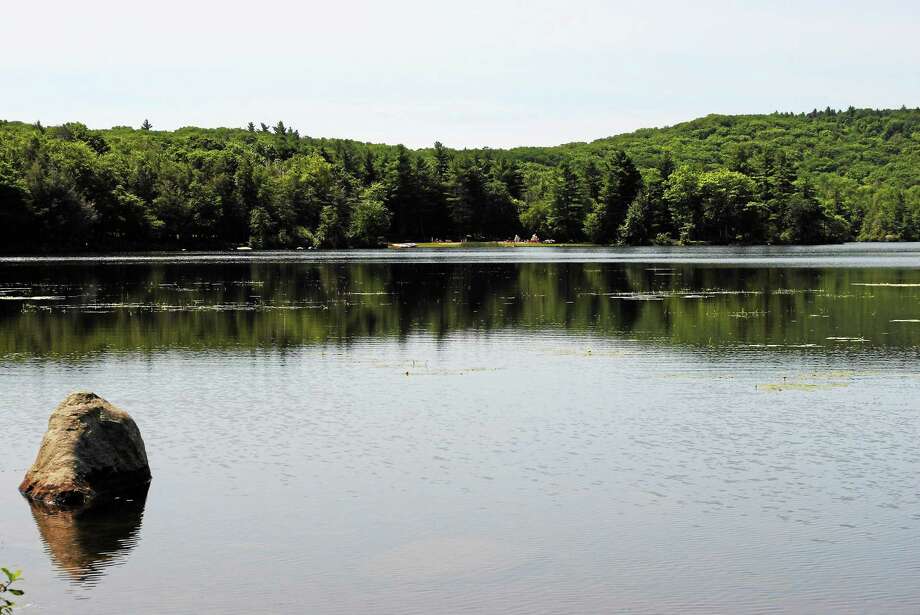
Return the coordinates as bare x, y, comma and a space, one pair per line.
84, 543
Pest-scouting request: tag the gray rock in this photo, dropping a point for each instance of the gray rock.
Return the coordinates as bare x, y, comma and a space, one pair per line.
92, 450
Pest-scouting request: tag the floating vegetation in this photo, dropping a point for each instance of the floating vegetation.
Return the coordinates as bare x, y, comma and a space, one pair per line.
745, 314
105, 308
797, 291
779, 346
733, 292
644, 298
637, 296
588, 352
700, 375
888, 284
444, 371
655, 296
800, 386
836, 374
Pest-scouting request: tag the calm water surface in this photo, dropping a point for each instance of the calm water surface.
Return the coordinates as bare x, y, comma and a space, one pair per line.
517, 431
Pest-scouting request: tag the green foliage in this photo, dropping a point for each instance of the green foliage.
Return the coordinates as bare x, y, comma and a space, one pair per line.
371, 219
782, 178
615, 194
569, 206
7, 591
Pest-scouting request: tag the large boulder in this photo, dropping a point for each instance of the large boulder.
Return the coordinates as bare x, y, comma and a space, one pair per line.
92, 450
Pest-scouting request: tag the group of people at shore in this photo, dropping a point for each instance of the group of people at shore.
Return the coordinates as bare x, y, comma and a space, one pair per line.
533, 239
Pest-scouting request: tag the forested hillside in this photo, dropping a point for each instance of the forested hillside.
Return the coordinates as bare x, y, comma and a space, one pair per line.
825, 176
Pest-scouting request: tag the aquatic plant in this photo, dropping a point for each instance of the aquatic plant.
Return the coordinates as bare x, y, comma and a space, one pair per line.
6, 605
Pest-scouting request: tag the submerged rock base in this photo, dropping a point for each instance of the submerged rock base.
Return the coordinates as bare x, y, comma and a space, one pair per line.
91, 451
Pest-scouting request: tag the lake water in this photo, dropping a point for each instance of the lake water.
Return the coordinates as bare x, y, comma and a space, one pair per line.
491, 431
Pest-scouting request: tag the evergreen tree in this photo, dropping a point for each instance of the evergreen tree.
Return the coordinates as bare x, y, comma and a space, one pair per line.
569, 205
621, 186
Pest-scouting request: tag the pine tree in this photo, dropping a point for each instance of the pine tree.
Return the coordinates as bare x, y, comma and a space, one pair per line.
621, 186
442, 160
593, 179
569, 205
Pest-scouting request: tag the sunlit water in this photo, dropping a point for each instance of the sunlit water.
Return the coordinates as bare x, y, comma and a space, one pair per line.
536, 431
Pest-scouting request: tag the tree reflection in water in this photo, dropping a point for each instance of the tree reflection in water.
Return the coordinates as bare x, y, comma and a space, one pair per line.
77, 310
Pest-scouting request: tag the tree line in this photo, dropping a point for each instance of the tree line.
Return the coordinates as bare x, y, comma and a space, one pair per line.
777, 179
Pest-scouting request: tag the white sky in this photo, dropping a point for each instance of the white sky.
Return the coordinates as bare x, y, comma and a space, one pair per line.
468, 72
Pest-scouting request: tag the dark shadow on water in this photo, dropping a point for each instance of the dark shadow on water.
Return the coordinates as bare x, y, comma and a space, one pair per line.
83, 544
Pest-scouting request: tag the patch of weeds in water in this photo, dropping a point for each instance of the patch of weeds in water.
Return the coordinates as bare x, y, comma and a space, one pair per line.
443, 371
778, 387
696, 376
836, 374
815, 381
797, 291
718, 291
780, 346
637, 296
588, 352
745, 314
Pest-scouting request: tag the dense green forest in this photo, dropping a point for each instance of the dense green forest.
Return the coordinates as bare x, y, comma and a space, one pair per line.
824, 176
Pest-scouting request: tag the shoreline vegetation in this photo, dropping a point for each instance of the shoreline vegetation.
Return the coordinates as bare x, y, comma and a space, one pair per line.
809, 178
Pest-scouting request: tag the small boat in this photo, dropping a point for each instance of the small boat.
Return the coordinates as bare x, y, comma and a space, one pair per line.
243, 249
400, 246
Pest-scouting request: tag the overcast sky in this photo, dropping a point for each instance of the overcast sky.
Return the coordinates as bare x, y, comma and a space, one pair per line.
470, 72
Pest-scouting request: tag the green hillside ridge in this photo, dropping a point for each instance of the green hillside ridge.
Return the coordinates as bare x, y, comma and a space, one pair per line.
825, 176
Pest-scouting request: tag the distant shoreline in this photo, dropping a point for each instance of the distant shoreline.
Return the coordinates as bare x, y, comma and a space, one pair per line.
440, 245
496, 251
